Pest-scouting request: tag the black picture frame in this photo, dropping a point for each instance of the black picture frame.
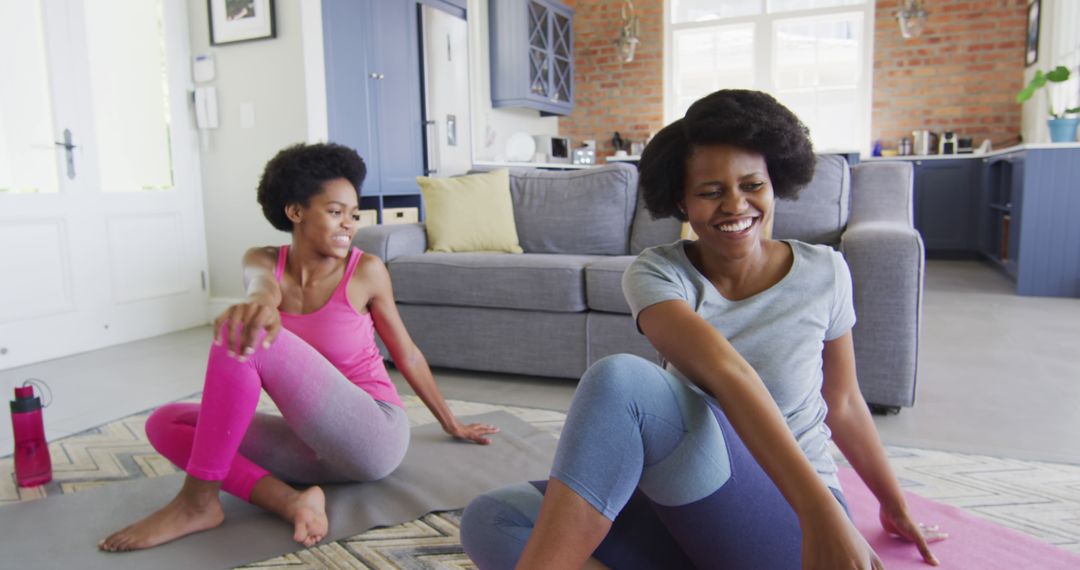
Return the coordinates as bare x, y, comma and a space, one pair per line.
1031, 46
235, 21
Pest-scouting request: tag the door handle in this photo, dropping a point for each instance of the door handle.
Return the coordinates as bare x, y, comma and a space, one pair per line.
69, 156
432, 146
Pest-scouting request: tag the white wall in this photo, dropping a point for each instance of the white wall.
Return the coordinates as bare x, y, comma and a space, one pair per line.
1059, 44
268, 75
284, 80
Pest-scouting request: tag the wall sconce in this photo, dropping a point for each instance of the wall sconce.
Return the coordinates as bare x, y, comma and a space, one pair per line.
629, 34
912, 18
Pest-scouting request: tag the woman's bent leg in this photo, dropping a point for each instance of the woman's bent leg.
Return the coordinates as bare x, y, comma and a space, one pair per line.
496, 525
634, 426
332, 430
610, 435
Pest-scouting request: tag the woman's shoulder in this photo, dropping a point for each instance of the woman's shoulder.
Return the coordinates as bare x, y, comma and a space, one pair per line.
663, 263
667, 254
814, 253
370, 268
262, 255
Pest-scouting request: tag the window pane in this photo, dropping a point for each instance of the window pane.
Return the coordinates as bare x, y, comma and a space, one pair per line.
126, 49
707, 60
818, 52
28, 157
789, 5
702, 10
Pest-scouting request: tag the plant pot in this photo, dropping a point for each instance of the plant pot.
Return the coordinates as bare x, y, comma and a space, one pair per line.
1063, 130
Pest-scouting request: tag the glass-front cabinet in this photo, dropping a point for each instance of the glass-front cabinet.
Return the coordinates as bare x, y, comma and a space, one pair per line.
538, 74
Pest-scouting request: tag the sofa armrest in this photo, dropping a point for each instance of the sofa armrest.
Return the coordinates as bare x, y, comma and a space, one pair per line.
390, 241
882, 192
887, 263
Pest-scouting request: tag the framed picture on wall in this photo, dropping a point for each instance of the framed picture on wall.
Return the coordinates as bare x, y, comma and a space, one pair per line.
1031, 49
234, 21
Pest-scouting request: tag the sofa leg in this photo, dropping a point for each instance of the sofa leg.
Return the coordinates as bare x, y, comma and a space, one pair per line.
883, 410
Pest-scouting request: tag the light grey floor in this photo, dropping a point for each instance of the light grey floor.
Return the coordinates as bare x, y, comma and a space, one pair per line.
998, 374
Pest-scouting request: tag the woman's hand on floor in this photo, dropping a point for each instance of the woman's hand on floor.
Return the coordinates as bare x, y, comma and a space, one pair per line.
831, 541
899, 523
238, 327
472, 432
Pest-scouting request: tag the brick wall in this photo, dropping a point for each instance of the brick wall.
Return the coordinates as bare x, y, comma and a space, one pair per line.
612, 95
961, 74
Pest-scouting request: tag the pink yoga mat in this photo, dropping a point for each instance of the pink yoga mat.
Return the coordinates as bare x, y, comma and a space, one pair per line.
972, 543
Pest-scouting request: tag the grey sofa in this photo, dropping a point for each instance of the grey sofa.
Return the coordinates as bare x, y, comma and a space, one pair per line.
558, 307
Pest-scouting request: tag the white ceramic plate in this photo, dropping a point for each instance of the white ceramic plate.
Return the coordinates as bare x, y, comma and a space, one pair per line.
520, 147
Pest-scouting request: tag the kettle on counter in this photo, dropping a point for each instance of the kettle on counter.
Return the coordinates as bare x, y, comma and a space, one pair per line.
923, 142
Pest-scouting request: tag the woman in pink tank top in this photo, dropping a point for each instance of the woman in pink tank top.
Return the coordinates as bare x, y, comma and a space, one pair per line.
306, 335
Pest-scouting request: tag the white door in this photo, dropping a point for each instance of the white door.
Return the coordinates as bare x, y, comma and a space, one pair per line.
102, 242
446, 92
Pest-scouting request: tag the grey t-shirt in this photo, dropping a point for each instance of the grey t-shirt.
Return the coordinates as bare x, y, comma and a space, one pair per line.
780, 331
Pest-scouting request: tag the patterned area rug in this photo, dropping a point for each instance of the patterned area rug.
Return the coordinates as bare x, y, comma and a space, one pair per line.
1040, 499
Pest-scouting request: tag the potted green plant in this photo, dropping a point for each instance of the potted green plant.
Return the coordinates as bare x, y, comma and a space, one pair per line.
1062, 126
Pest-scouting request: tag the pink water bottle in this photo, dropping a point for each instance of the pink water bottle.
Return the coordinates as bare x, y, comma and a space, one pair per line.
32, 463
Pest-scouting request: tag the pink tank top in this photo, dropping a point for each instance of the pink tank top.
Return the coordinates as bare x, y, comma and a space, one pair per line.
343, 335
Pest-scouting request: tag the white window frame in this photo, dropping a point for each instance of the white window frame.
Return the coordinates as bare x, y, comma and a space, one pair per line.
764, 58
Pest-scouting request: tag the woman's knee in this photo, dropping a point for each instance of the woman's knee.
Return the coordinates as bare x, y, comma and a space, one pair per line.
496, 525
170, 414
622, 376
167, 418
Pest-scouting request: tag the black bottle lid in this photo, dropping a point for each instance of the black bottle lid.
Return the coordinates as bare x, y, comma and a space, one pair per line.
23, 405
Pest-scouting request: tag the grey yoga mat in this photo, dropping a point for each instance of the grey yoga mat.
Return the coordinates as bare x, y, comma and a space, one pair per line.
437, 474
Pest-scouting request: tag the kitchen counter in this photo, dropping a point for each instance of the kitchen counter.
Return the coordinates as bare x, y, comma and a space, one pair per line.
486, 164
991, 154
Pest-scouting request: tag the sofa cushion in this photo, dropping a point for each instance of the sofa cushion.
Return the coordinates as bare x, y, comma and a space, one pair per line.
542, 282
577, 212
603, 284
469, 213
820, 212
647, 232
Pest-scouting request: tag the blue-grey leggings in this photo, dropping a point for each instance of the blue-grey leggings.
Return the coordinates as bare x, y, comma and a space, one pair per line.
662, 463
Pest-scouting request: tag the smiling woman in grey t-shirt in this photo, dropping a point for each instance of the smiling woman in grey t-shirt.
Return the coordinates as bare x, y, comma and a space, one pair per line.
719, 459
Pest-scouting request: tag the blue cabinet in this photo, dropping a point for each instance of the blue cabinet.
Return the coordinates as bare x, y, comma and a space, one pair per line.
945, 192
532, 63
372, 60
999, 203
1030, 208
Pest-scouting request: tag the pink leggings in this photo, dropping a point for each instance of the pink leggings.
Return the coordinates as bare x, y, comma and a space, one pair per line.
330, 430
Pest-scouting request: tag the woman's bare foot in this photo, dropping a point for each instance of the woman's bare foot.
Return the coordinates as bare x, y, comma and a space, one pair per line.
183, 515
307, 512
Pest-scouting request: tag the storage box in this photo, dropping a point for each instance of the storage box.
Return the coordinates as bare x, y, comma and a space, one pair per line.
368, 218
400, 215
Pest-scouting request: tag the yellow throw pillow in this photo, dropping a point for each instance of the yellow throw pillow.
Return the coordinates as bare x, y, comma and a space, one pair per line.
470, 213
688, 233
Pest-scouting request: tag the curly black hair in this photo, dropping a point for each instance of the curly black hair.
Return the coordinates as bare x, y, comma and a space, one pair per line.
748, 119
297, 173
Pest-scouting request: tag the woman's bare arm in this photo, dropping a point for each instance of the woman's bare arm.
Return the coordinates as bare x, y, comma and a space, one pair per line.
239, 325
405, 354
855, 434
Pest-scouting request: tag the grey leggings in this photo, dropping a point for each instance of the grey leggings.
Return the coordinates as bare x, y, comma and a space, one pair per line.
665, 466
330, 430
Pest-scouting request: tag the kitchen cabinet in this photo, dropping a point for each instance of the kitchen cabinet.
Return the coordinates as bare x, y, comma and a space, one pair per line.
373, 94
1029, 208
532, 63
997, 238
1016, 208
945, 192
